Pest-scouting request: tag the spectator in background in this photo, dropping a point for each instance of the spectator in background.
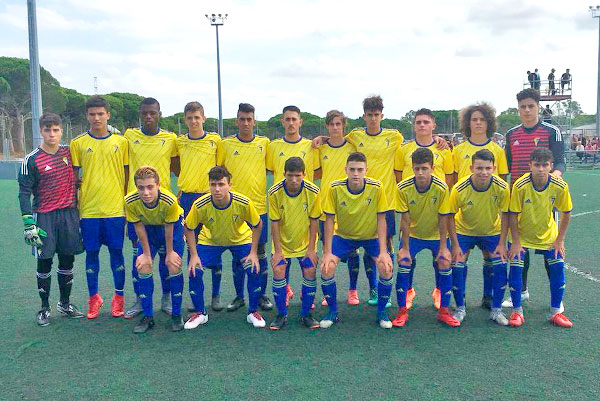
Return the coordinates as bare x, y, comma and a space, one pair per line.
565, 79
547, 114
536, 79
551, 87
530, 78
579, 149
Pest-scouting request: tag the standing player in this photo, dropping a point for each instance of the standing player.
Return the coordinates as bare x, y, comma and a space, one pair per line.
104, 159
158, 222
333, 153
294, 210
521, 141
424, 125
423, 202
150, 146
229, 222
478, 124
52, 222
197, 152
292, 144
534, 197
245, 157
480, 204
358, 205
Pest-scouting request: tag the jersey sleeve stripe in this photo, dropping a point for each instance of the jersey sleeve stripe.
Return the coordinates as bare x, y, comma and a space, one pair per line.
276, 187
202, 201
311, 187
132, 198
239, 198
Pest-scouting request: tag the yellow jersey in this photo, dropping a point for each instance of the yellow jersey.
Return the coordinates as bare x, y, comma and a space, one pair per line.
424, 207
103, 161
166, 211
442, 159
462, 153
196, 157
293, 212
379, 149
356, 213
280, 150
247, 163
478, 213
537, 227
333, 163
223, 227
151, 150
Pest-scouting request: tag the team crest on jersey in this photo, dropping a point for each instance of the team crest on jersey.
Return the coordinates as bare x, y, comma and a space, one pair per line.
552, 199
89, 150
434, 199
303, 154
235, 217
212, 144
387, 143
536, 141
115, 148
65, 160
435, 156
368, 201
48, 168
162, 142
494, 198
305, 206
260, 148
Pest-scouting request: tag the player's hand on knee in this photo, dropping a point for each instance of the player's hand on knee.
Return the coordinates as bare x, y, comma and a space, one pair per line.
252, 260
444, 257
276, 259
500, 252
403, 256
328, 264
457, 254
516, 250
559, 248
143, 261
193, 264
384, 263
173, 261
314, 258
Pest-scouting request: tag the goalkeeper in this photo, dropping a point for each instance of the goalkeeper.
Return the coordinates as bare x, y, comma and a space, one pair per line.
52, 222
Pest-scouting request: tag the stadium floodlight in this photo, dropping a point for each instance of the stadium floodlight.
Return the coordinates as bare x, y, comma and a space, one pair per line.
217, 20
596, 14
34, 75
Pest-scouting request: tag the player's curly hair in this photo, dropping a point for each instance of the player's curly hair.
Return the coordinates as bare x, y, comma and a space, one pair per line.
529, 93
146, 172
489, 113
373, 103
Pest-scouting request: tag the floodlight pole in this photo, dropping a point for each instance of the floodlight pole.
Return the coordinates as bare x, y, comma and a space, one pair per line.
216, 20
596, 14
34, 75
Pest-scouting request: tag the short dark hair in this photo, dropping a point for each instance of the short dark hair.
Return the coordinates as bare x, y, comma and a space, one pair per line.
464, 118
294, 164
96, 101
483, 154
193, 106
333, 114
356, 157
291, 108
529, 93
373, 103
50, 120
150, 101
245, 108
424, 112
218, 172
422, 156
541, 155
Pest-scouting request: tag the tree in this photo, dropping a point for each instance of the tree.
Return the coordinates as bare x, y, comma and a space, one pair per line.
507, 119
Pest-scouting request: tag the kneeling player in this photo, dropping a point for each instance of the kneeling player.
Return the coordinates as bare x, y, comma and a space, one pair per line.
229, 222
533, 198
157, 219
423, 202
294, 210
480, 202
46, 173
359, 205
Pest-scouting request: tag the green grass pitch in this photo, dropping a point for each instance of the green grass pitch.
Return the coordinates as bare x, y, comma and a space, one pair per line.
229, 360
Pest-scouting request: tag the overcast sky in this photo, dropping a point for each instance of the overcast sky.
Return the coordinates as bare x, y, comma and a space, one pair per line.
316, 54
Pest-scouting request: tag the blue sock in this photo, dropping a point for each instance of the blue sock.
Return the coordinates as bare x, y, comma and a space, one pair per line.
436, 274
445, 287
402, 284
370, 271
557, 281
309, 290
488, 277
253, 289
216, 274
92, 266
146, 283
384, 289
279, 295
353, 269
135, 278
264, 275
196, 285
458, 283
238, 278
330, 292
411, 275
499, 281
287, 272
163, 270
176, 285
465, 274
117, 263
515, 280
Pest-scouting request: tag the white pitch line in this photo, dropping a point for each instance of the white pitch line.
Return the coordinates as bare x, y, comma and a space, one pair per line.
585, 213
581, 173
581, 273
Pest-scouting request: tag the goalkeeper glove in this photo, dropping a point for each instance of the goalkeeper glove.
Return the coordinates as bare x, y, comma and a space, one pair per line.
32, 232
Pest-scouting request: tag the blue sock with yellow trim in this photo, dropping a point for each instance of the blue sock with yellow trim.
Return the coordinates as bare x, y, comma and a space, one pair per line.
92, 267
117, 263
279, 295
329, 289
557, 281
309, 290
353, 269
196, 285
499, 281
146, 282
458, 283
176, 285
445, 280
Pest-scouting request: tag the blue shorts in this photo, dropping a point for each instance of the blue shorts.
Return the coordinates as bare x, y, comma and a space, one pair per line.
131, 232
109, 231
548, 254
485, 242
304, 262
156, 239
210, 255
416, 245
186, 199
343, 247
390, 220
264, 233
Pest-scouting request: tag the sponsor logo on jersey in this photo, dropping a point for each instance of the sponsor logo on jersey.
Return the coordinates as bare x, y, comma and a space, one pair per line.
343, 203
360, 145
469, 203
89, 150
412, 202
48, 168
325, 157
466, 157
527, 200
136, 142
516, 143
236, 153
387, 142
211, 220
260, 148
303, 154
494, 198
281, 154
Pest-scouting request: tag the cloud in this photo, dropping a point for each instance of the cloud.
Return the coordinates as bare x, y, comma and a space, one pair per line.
469, 51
